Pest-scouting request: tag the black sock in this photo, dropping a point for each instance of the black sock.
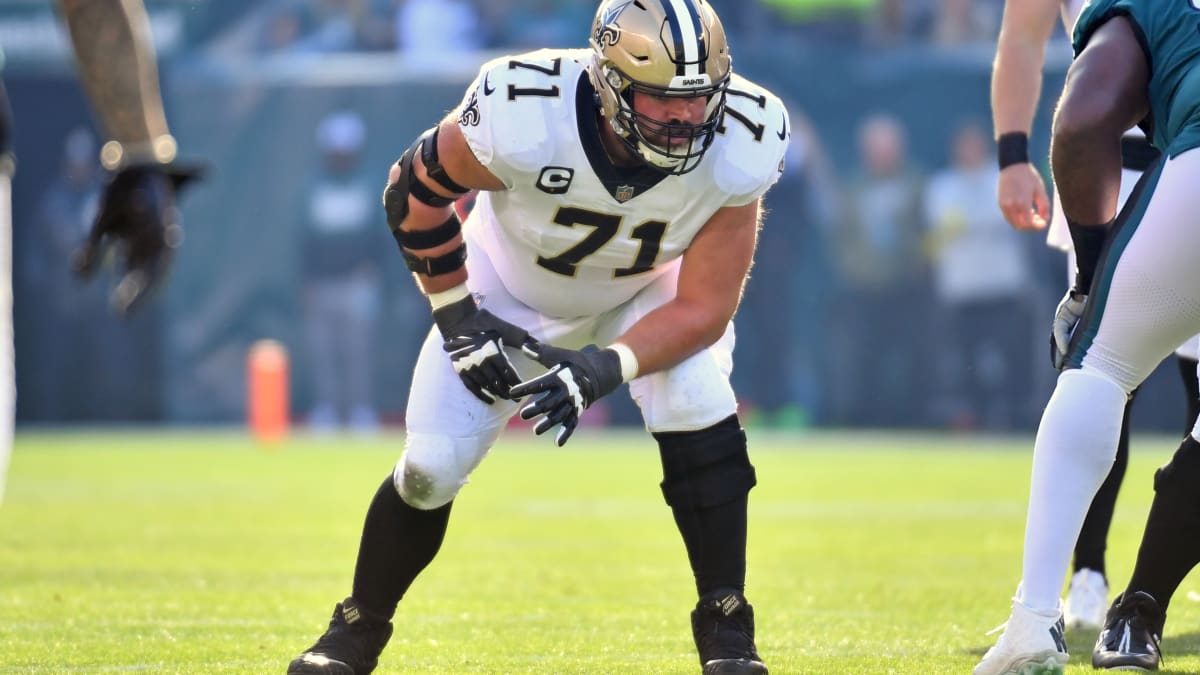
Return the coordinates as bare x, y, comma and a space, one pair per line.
1187, 371
398, 541
715, 539
1170, 547
1093, 536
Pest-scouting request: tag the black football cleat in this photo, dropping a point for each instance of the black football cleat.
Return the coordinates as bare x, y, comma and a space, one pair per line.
723, 626
350, 646
1132, 630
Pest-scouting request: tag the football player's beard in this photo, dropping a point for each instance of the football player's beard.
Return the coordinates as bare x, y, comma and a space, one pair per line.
664, 141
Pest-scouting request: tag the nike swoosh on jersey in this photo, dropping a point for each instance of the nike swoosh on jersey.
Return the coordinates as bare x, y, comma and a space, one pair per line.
487, 88
783, 132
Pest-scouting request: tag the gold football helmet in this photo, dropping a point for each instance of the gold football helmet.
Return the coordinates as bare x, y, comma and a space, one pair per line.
664, 48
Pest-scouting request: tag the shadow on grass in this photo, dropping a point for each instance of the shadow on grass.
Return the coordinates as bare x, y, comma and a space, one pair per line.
1080, 643
1187, 644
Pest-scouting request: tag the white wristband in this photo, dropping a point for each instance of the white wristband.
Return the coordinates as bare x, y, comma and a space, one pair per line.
443, 298
629, 362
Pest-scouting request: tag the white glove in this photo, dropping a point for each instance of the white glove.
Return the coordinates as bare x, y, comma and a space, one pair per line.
1066, 317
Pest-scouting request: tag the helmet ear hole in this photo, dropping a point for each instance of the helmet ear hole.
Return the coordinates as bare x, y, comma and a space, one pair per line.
614, 79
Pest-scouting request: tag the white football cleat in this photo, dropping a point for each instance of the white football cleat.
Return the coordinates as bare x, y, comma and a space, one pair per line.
1032, 644
1087, 600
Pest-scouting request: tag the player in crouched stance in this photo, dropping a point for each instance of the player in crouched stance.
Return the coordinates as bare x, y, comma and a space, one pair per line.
620, 206
1136, 297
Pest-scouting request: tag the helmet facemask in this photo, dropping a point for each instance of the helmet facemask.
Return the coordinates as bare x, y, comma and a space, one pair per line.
674, 147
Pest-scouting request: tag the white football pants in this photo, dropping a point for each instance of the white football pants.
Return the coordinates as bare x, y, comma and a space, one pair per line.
449, 431
1146, 303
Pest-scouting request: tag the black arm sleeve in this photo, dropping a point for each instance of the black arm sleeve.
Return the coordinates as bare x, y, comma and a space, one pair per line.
1089, 245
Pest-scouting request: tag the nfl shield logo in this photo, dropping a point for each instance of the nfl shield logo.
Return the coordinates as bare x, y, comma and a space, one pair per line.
624, 193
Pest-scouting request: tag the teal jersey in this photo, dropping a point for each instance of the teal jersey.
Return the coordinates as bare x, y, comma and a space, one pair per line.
1169, 32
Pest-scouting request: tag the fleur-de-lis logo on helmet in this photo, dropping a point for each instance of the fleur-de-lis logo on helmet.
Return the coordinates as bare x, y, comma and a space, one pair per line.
608, 33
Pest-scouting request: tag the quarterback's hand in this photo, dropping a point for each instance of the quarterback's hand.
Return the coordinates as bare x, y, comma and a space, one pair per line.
575, 381
1066, 317
475, 339
139, 217
1021, 194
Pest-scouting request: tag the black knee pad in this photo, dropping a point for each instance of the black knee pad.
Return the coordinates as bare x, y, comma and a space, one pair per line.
705, 468
1182, 473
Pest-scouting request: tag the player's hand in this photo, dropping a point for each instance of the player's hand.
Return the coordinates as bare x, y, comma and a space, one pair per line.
475, 339
575, 381
139, 217
1066, 317
1022, 197
482, 365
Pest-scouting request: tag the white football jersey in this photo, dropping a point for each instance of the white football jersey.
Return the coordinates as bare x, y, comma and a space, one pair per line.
574, 235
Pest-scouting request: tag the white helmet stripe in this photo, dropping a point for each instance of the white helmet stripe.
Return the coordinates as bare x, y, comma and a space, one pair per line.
682, 14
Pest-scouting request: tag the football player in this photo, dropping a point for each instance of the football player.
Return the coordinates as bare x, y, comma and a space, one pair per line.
1016, 84
1138, 291
137, 215
621, 189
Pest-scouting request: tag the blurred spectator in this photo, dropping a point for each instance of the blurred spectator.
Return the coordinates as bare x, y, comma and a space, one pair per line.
982, 282
965, 22
282, 29
877, 348
377, 25
89, 364
437, 30
787, 290
310, 26
899, 22
344, 25
341, 267
537, 24
68, 206
823, 20
66, 350
741, 18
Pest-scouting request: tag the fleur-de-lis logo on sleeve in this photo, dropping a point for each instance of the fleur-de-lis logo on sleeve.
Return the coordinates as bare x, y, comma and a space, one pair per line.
470, 112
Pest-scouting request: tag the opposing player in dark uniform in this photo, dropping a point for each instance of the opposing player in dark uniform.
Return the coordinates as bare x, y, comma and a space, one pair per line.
620, 204
137, 215
1167, 36
1138, 292
1021, 194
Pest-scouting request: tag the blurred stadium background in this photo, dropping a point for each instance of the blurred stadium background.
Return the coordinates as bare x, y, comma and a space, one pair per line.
888, 293
886, 281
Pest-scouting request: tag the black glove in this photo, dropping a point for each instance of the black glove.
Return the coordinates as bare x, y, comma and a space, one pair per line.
575, 381
138, 214
475, 339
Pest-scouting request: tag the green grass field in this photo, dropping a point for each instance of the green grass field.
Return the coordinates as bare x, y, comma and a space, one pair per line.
200, 552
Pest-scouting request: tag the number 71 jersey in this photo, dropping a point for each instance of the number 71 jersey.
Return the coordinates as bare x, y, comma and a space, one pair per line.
574, 235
